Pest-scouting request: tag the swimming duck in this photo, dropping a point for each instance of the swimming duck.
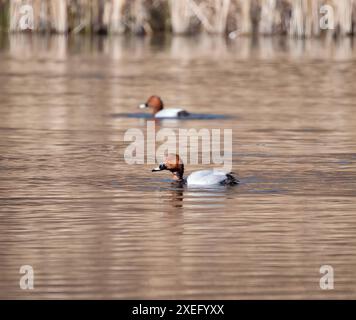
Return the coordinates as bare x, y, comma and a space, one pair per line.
155, 103
174, 164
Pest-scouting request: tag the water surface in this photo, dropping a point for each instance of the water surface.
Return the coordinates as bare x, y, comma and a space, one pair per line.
93, 226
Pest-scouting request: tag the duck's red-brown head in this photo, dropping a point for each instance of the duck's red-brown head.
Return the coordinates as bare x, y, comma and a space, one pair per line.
155, 103
174, 164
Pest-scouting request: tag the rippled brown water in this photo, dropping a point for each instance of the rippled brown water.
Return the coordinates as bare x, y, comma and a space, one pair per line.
93, 226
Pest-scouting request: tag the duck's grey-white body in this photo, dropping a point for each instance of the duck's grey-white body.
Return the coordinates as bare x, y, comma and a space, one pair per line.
209, 178
170, 113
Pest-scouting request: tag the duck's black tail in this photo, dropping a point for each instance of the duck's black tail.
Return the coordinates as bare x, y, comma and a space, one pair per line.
231, 180
183, 113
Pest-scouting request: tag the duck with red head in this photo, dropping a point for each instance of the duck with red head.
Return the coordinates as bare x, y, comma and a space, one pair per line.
155, 103
174, 164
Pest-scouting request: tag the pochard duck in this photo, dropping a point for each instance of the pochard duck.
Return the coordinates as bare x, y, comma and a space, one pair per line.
155, 103
174, 164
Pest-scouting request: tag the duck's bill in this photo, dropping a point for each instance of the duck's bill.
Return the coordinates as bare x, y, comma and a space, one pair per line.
161, 167
142, 106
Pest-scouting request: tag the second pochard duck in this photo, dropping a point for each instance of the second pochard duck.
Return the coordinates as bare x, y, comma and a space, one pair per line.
155, 103
174, 164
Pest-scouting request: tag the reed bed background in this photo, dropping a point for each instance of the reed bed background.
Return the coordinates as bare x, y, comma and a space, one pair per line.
298, 18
